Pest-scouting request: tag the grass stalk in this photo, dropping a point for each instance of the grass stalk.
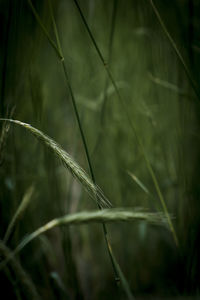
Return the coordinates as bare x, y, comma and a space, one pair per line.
115, 266
85, 217
100, 216
58, 50
132, 125
71, 91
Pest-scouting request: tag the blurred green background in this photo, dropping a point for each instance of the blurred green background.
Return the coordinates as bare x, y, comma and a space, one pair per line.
72, 263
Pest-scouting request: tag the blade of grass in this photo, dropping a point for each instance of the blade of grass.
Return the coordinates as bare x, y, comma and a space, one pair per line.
99, 216
67, 161
22, 207
144, 188
132, 125
109, 215
139, 183
175, 48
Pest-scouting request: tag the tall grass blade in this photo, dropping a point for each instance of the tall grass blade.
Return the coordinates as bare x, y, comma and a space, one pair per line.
144, 188
58, 49
108, 245
132, 125
100, 216
22, 207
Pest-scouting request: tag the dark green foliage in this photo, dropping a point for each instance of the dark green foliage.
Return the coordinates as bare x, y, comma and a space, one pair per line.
125, 109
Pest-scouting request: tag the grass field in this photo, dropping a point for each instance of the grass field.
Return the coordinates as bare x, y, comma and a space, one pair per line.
99, 149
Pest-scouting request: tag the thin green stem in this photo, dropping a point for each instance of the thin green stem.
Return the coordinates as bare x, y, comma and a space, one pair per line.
83, 139
132, 125
58, 50
78, 119
85, 217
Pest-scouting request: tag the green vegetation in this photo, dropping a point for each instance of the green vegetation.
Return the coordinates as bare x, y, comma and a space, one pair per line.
99, 128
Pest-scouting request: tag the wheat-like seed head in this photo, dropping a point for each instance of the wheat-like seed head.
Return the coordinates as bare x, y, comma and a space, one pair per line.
68, 162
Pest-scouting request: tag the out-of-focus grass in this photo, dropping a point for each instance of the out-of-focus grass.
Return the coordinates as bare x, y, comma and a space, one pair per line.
160, 102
